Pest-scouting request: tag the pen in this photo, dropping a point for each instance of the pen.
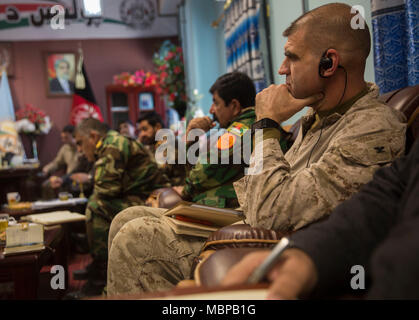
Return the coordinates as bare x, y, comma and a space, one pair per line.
269, 262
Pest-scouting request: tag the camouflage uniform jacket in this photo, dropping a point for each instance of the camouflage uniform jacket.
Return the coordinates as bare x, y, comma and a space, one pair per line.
212, 184
176, 172
124, 171
327, 163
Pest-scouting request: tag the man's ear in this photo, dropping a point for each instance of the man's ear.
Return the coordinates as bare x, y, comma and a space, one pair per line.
158, 126
235, 104
94, 136
334, 56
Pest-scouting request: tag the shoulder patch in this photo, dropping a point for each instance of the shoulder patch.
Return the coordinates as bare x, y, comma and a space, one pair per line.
238, 128
226, 141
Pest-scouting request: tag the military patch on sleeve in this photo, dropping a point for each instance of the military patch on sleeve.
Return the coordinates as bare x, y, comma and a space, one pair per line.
238, 129
226, 141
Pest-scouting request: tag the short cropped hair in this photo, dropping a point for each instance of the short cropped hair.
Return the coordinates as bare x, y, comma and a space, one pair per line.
69, 129
235, 85
330, 26
125, 121
152, 117
88, 124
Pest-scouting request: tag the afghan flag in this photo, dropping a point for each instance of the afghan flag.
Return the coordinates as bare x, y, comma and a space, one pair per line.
84, 102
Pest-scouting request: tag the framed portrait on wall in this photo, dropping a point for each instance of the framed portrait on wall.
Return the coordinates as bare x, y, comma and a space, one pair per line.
61, 72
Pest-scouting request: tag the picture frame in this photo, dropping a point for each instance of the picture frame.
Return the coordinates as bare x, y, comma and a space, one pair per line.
60, 68
6, 52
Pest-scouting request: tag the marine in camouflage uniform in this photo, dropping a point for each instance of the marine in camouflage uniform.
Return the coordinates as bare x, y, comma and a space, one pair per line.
351, 141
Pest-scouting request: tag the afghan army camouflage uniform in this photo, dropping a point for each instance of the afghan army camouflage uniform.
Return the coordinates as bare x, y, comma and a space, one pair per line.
124, 176
175, 172
212, 184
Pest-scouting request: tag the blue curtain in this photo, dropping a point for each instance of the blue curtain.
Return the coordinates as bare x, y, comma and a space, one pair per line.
396, 43
242, 40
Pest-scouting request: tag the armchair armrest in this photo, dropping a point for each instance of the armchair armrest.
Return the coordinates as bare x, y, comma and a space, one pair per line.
163, 198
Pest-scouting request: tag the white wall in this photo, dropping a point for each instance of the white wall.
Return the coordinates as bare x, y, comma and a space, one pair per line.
283, 12
205, 50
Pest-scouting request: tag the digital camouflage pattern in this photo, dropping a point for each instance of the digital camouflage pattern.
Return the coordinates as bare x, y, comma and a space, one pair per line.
145, 255
292, 191
175, 172
335, 153
125, 175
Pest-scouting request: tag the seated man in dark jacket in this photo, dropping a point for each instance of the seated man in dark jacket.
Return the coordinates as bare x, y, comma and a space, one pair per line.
376, 232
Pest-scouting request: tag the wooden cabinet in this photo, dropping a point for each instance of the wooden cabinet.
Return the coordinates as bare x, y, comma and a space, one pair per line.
125, 103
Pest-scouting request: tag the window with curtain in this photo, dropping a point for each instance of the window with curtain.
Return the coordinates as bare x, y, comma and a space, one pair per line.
396, 43
242, 39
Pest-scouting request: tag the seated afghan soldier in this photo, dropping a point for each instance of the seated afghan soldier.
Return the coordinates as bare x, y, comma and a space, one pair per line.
127, 129
233, 96
66, 159
124, 176
345, 138
148, 124
77, 182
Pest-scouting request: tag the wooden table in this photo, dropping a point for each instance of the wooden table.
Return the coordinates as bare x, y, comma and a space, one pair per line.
23, 180
21, 271
79, 208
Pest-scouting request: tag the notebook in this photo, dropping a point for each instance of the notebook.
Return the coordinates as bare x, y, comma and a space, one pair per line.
200, 220
55, 217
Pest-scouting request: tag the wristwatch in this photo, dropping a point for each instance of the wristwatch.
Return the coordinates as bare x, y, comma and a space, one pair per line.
265, 123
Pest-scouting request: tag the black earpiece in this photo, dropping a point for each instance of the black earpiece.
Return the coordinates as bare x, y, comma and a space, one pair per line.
324, 64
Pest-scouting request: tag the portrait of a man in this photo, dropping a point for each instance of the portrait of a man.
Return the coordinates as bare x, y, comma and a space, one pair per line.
61, 73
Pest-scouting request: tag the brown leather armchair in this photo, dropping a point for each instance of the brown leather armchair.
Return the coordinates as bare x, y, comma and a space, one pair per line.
406, 100
228, 245
163, 198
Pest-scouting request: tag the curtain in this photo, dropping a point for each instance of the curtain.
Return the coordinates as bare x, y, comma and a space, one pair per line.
243, 42
396, 43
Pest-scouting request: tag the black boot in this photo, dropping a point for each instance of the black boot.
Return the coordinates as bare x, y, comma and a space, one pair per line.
96, 281
83, 274
90, 289
80, 242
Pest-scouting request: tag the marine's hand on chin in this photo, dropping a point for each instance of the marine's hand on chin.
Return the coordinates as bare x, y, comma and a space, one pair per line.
277, 103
